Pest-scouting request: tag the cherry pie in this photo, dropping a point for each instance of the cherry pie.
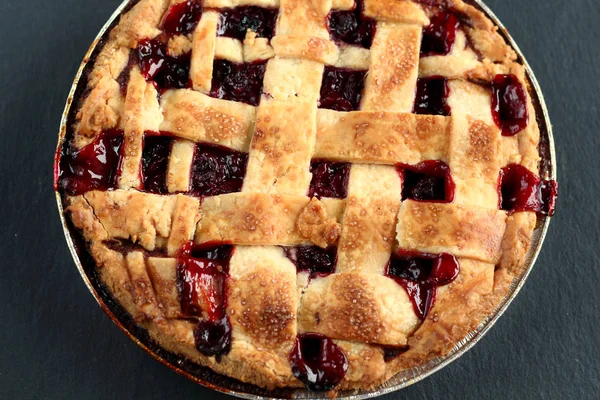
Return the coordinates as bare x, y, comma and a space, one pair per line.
317, 193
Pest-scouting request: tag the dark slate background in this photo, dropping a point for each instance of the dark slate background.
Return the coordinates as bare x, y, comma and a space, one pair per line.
57, 343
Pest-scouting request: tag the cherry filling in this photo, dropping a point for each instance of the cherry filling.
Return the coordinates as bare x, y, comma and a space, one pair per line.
329, 179
351, 26
427, 181
123, 78
312, 259
201, 283
238, 82
182, 18
158, 66
341, 89
202, 286
522, 190
93, 167
509, 104
318, 362
439, 36
390, 353
215, 251
432, 96
420, 274
217, 170
155, 163
236, 21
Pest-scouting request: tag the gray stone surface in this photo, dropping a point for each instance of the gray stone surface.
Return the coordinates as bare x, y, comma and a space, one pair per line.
57, 343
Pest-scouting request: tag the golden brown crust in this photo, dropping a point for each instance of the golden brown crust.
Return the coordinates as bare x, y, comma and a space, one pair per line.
369, 218
317, 226
475, 161
381, 137
365, 308
303, 17
451, 228
448, 322
197, 117
256, 49
396, 11
268, 302
145, 219
252, 219
517, 241
392, 79
101, 110
287, 79
203, 51
307, 47
262, 301
281, 149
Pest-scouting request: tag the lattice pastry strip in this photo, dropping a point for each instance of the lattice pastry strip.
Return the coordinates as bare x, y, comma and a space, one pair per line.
359, 307
282, 147
142, 113
203, 51
381, 137
368, 225
396, 11
303, 18
200, 118
464, 231
262, 303
391, 82
240, 3
152, 221
265, 219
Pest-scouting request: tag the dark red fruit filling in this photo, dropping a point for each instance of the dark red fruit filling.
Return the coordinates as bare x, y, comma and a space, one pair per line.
390, 353
123, 78
341, 89
439, 36
213, 338
182, 18
329, 179
217, 170
236, 21
202, 286
93, 167
427, 181
509, 104
522, 190
313, 259
155, 163
158, 66
420, 274
318, 362
352, 27
238, 82
215, 251
432, 96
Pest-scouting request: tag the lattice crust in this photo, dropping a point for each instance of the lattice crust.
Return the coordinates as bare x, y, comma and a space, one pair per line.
268, 302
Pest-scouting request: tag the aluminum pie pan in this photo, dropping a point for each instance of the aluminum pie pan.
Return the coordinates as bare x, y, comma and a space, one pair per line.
208, 378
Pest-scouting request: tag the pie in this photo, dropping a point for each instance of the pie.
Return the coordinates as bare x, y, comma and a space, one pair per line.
305, 193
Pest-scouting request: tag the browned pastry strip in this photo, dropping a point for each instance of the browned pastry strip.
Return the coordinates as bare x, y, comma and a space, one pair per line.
373, 137
262, 219
152, 221
365, 308
452, 228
